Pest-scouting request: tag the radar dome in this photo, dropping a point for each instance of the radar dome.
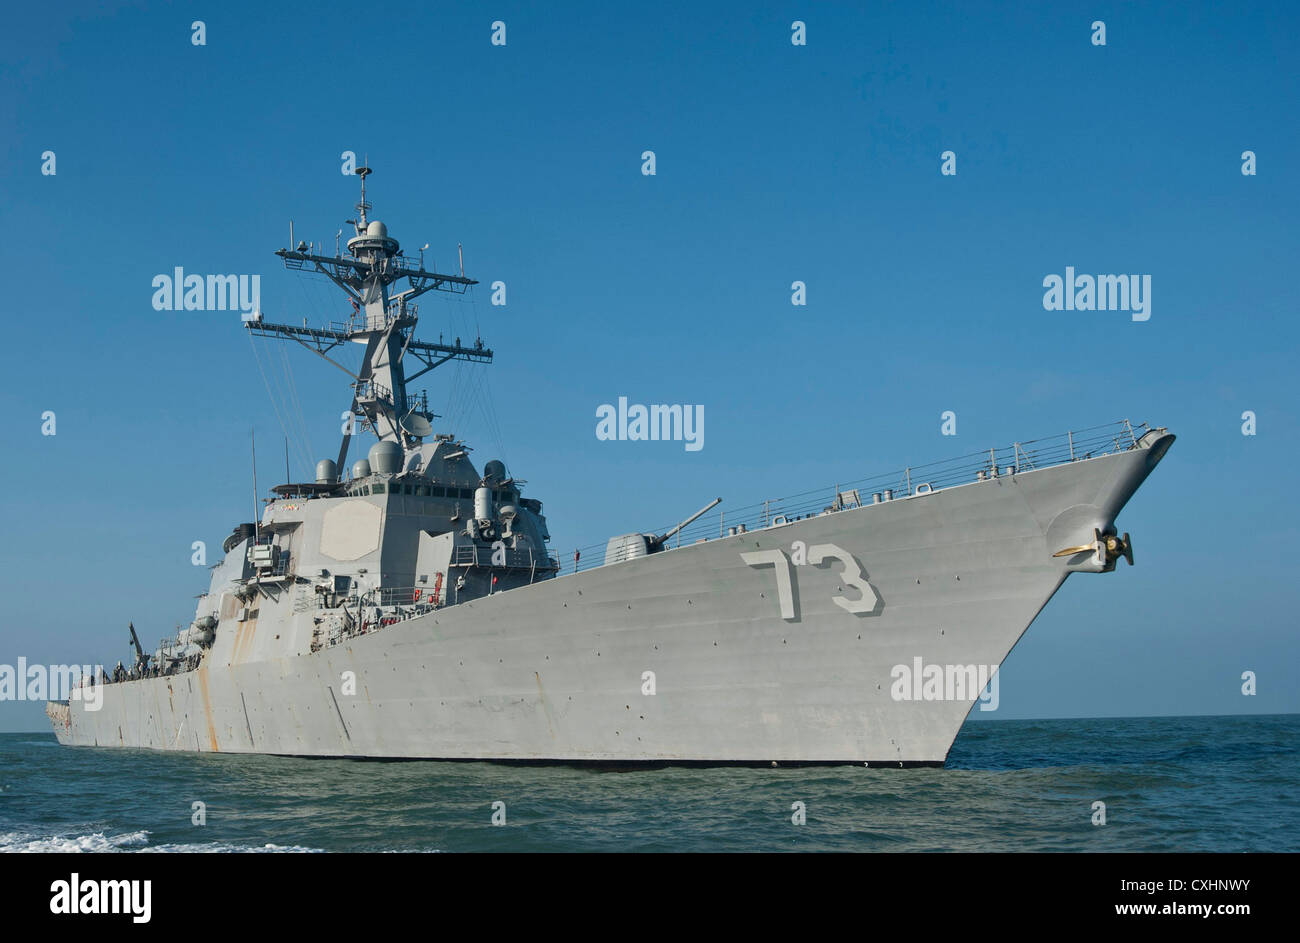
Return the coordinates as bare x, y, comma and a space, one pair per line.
377, 229
494, 470
385, 457
361, 468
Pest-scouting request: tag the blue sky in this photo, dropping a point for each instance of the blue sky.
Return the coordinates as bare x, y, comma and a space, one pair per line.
775, 163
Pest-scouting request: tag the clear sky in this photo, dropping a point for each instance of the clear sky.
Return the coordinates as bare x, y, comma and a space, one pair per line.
775, 163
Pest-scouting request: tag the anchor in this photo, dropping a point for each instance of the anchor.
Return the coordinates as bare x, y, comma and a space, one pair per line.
1106, 549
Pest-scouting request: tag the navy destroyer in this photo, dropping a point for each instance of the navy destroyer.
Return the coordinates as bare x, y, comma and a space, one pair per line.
408, 606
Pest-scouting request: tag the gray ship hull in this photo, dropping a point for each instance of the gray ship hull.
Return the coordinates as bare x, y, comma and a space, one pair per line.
743, 670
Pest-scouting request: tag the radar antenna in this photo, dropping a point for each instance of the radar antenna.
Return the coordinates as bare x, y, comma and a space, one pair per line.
383, 322
363, 207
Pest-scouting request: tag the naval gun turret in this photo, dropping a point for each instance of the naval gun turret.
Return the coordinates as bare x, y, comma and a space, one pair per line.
630, 546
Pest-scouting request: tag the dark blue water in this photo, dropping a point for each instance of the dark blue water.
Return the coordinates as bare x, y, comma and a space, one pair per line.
1220, 784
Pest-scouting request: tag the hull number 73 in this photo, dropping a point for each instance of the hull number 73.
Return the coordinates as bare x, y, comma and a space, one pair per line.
819, 555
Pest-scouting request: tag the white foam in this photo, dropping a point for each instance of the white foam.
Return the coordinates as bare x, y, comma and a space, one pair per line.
235, 849
95, 841
27, 842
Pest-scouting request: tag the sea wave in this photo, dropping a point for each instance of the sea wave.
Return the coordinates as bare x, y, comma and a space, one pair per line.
92, 842
95, 842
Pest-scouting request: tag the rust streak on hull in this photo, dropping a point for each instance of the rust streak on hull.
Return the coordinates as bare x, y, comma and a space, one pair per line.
207, 708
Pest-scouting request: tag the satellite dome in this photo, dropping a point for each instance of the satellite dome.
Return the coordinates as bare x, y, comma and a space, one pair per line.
385, 457
371, 239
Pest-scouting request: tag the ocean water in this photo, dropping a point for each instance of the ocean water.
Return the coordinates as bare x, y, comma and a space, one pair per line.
1214, 784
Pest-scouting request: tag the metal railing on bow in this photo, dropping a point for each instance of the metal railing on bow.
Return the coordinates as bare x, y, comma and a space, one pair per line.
1019, 457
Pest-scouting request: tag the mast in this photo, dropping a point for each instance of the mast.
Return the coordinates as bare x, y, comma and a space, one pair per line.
257, 517
384, 321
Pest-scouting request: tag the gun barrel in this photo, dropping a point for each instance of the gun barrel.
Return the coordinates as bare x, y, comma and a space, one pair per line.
690, 520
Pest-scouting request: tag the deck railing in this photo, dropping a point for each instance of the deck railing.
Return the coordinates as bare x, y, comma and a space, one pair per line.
521, 558
1029, 455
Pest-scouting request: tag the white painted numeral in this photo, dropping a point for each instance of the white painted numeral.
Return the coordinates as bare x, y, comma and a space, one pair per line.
819, 555
784, 590
851, 575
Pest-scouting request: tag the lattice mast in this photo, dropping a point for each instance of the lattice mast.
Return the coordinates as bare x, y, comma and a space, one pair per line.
384, 321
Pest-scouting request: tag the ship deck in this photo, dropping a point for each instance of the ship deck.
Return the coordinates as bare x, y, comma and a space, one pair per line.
1023, 456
